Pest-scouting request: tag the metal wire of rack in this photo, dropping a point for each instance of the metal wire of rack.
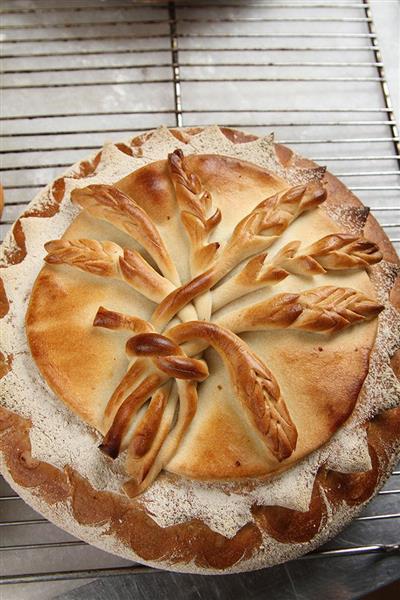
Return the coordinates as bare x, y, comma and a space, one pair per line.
75, 73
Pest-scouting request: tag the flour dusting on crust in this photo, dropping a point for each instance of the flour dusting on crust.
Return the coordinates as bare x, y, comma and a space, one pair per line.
60, 438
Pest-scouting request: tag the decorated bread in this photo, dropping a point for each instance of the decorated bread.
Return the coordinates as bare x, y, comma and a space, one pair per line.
199, 352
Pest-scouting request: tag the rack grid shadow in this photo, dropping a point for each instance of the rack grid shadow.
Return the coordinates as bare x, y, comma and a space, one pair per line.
76, 74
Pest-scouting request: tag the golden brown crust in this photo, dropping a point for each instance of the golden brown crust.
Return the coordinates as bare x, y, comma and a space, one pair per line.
99, 258
110, 319
107, 259
167, 356
128, 409
292, 526
4, 303
254, 384
333, 252
128, 521
153, 190
150, 435
322, 310
167, 439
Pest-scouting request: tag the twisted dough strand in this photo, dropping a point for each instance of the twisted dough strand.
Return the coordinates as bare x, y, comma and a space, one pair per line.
167, 356
255, 385
326, 309
166, 360
157, 359
138, 465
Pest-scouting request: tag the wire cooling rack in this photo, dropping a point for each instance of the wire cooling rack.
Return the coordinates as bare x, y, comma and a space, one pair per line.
78, 73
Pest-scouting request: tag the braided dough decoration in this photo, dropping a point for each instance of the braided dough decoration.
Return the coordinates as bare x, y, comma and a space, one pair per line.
256, 387
194, 203
256, 232
108, 203
254, 383
326, 309
320, 310
155, 403
332, 252
107, 259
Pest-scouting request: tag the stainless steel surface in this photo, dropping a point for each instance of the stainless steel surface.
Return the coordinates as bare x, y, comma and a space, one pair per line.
78, 73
